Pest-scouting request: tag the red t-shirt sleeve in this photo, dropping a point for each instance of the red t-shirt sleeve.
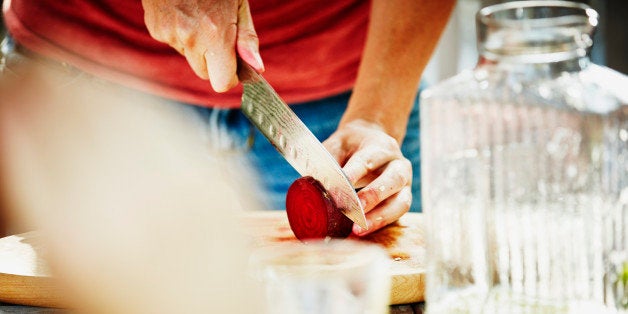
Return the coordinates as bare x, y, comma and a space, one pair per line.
311, 48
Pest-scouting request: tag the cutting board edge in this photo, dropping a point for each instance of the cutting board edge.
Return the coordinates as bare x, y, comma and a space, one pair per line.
40, 290
37, 291
408, 289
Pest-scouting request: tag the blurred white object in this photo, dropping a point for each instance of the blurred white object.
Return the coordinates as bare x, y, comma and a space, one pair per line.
331, 277
456, 50
136, 215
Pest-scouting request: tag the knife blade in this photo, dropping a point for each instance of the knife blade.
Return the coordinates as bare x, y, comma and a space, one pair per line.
295, 142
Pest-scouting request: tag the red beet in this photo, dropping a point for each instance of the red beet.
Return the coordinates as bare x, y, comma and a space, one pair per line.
312, 213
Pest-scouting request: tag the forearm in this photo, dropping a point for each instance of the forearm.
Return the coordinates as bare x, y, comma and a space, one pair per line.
401, 38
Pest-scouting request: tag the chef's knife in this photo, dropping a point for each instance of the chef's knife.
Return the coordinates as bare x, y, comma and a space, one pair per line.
295, 142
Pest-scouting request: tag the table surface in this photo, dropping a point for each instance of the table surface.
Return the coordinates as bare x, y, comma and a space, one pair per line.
21, 309
416, 308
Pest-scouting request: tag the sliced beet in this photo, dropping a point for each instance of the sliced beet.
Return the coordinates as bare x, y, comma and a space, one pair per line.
312, 213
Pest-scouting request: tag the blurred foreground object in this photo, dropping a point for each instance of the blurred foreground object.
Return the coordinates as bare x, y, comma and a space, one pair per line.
524, 169
137, 216
331, 277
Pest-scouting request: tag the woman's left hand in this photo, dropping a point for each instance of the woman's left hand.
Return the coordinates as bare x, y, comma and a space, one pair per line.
372, 159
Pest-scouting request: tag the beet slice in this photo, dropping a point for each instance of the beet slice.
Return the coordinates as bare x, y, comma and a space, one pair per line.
312, 213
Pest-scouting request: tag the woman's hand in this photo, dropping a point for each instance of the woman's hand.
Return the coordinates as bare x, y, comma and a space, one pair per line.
208, 33
373, 160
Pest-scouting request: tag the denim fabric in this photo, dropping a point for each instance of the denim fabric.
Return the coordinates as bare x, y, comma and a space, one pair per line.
229, 129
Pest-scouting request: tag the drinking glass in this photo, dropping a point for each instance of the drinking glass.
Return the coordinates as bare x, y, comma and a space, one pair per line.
332, 277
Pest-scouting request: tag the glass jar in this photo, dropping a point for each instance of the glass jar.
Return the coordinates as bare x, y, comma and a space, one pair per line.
524, 163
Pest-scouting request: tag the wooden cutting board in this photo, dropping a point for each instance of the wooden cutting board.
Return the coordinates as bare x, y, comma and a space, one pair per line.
25, 276
404, 241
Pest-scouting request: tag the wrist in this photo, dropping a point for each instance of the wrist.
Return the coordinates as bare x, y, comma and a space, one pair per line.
389, 112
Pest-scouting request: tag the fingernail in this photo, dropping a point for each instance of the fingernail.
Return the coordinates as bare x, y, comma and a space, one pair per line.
250, 55
359, 231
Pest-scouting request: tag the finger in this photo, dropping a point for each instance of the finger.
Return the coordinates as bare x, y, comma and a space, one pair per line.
387, 212
221, 60
216, 45
156, 26
366, 180
396, 175
196, 61
247, 42
185, 39
336, 149
366, 160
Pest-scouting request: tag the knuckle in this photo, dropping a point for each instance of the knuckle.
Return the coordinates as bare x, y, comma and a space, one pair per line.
379, 223
219, 27
370, 196
185, 16
160, 33
377, 156
185, 36
334, 146
400, 177
405, 196
364, 166
248, 36
188, 41
406, 165
400, 172
390, 143
369, 162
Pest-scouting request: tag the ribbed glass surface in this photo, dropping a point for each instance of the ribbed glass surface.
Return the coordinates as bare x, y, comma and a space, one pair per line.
525, 180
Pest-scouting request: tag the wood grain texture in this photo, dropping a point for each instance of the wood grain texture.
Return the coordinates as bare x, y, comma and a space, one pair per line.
25, 276
403, 240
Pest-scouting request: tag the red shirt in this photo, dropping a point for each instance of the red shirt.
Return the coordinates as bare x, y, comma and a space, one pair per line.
311, 48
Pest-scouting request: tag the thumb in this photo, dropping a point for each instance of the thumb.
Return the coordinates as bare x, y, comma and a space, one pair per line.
247, 42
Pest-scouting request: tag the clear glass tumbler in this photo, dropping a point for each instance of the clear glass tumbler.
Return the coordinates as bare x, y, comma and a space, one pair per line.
331, 277
524, 164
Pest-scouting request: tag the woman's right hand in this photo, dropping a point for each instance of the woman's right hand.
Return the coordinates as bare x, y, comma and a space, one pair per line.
208, 33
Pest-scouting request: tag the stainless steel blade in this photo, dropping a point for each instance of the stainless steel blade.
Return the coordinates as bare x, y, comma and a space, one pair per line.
297, 144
